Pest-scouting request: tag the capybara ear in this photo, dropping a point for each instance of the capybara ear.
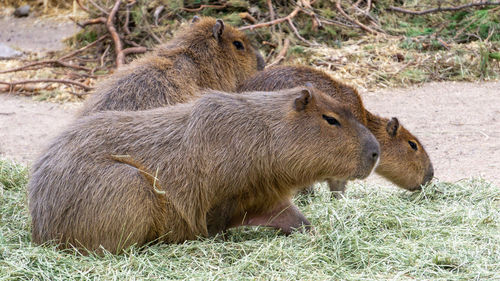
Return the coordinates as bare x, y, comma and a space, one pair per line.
303, 100
218, 29
195, 19
393, 126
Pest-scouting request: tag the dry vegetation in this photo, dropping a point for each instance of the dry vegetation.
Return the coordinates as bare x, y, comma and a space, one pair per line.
446, 232
370, 44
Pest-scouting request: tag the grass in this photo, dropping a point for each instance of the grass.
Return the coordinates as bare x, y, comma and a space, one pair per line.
449, 231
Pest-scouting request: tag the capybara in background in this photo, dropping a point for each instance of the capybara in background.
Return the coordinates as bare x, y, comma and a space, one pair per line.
207, 54
118, 178
404, 160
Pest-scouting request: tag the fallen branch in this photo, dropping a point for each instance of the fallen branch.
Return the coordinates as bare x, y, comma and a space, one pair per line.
83, 48
294, 29
57, 62
273, 22
281, 55
103, 55
98, 7
218, 7
248, 17
368, 6
61, 81
54, 63
92, 21
271, 11
109, 22
82, 7
120, 56
353, 20
441, 9
19, 88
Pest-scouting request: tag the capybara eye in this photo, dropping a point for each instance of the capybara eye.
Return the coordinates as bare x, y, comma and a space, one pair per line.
238, 45
413, 145
331, 120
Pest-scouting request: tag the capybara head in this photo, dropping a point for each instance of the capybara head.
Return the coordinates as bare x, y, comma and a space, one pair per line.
337, 144
213, 40
404, 160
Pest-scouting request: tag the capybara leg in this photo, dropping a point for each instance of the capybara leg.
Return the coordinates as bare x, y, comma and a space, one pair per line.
219, 217
308, 191
337, 187
285, 216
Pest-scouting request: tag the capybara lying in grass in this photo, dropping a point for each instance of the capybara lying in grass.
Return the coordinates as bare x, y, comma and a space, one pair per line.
404, 160
114, 179
204, 55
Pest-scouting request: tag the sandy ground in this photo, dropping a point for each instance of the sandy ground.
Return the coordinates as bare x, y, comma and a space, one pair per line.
458, 123
36, 35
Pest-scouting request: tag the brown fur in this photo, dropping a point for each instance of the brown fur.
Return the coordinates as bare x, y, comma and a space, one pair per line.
399, 163
200, 56
114, 179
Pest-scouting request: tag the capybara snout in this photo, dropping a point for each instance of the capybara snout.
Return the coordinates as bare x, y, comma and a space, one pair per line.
261, 63
370, 152
429, 175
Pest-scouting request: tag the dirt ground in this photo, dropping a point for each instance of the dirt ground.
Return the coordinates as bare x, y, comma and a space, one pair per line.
457, 122
35, 35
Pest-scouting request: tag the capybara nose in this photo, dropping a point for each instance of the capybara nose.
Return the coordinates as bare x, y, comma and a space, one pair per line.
370, 155
372, 152
261, 63
429, 175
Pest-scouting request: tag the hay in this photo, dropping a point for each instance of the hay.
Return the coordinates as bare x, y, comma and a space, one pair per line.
374, 62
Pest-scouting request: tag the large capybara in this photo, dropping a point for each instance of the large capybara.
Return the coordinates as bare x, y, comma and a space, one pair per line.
404, 160
207, 54
114, 179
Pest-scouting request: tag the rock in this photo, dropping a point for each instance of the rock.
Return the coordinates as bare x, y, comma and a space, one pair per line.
22, 11
7, 52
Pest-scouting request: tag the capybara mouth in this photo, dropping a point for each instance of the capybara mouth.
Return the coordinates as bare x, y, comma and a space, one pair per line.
367, 170
429, 175
415, 188
261, 63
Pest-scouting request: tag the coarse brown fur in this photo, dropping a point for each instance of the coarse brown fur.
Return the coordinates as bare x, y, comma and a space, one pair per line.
202, 55
114, 179
399, 162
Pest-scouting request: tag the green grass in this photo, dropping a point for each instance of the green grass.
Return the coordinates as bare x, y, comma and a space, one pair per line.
447, 232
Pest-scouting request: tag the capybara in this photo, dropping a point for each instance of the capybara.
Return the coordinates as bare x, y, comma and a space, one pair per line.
404, 160
207, 54
118, 178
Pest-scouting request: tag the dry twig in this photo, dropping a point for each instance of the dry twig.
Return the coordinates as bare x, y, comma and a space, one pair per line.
62, 81
353, 20
83, 48
218, 7
54, 63
273, 22
109, 22
248, 17
441, 9
281, 55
